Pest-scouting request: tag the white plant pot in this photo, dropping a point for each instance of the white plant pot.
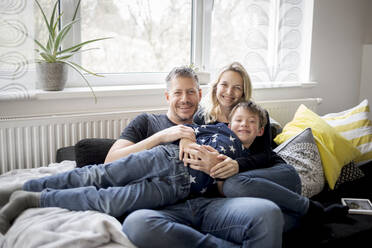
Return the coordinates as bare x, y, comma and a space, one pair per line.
204, 77
52, 76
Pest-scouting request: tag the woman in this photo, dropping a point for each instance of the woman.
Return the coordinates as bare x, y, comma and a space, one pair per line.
263, 173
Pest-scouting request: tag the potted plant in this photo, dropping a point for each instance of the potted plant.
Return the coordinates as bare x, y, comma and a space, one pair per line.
203, 76
54, 59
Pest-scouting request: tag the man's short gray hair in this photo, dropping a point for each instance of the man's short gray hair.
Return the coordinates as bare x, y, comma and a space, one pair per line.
183, 71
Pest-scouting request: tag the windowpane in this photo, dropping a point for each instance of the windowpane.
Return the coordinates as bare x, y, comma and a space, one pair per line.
148, 36
266, 36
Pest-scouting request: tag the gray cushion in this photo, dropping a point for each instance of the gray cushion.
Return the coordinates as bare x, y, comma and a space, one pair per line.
92, 151
302, 153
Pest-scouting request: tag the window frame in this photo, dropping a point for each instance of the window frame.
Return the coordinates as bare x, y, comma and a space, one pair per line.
201, 24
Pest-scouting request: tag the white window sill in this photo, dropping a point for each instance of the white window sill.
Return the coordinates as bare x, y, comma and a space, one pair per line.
276, 85
101, 91
132, 90
141, 90
114, 98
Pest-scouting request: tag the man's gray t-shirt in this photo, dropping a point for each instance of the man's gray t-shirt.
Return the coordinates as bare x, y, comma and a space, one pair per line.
144, 126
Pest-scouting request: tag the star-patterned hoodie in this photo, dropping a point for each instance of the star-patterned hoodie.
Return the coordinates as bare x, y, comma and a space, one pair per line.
221, 138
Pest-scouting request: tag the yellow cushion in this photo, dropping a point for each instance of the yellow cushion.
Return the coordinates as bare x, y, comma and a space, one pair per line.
355, 126
335, 151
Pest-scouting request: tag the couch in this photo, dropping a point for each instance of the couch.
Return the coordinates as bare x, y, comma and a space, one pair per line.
353, 230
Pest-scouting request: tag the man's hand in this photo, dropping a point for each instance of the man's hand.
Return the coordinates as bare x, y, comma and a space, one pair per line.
186, 144
203, 158
225, 169
175, 133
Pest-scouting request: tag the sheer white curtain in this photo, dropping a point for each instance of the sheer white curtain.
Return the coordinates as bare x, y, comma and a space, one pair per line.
271, 38
16, 49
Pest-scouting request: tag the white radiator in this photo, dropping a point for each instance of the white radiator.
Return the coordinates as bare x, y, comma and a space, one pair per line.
33, 142
283, 110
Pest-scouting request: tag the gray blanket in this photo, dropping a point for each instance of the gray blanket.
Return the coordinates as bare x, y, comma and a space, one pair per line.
57, 227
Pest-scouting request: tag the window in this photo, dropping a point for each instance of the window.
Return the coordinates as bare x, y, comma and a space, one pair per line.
148, 36
271, 38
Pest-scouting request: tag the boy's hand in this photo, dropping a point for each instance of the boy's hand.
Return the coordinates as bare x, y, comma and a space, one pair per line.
225, 169
203, 158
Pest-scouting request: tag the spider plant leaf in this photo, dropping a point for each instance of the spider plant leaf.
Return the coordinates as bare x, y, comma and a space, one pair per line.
47, 57
44, 16
41, 46
68, 55
83, 69
76, 10
52, 39
51, 22
73, 19
61, 35
78, 46
67, 31
72, 65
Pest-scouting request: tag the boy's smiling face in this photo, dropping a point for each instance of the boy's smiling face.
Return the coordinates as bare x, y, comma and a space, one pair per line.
246, 125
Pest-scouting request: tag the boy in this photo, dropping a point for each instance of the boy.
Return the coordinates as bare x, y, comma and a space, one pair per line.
127, 184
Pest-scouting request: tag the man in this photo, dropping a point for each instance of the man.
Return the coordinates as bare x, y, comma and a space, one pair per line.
199, 222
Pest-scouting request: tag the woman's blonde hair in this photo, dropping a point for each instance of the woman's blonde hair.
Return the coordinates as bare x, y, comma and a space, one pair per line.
209, 103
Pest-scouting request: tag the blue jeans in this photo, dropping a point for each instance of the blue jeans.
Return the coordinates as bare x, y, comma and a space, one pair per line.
148, 179
208, 222
280, 184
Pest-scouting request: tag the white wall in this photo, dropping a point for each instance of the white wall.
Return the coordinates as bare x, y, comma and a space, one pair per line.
340, 28
366, 80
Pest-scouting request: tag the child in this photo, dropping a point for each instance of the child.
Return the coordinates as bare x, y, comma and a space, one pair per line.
147, 179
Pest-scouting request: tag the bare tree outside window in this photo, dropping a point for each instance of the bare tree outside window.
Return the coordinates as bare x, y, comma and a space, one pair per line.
149, 36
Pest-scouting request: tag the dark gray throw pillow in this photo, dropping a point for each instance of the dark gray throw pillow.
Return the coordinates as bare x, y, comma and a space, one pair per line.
349, 173
92, 151
302, 153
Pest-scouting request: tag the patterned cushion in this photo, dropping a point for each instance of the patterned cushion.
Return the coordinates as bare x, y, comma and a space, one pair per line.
355, 126
335, 151
349, 173
302, 152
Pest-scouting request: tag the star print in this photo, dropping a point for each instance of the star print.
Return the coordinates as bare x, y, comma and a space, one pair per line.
214, 139
203, 190
232, 138
202, 140
192, 179
222, 149
196, 130
203, 126
215, 135
232, 149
